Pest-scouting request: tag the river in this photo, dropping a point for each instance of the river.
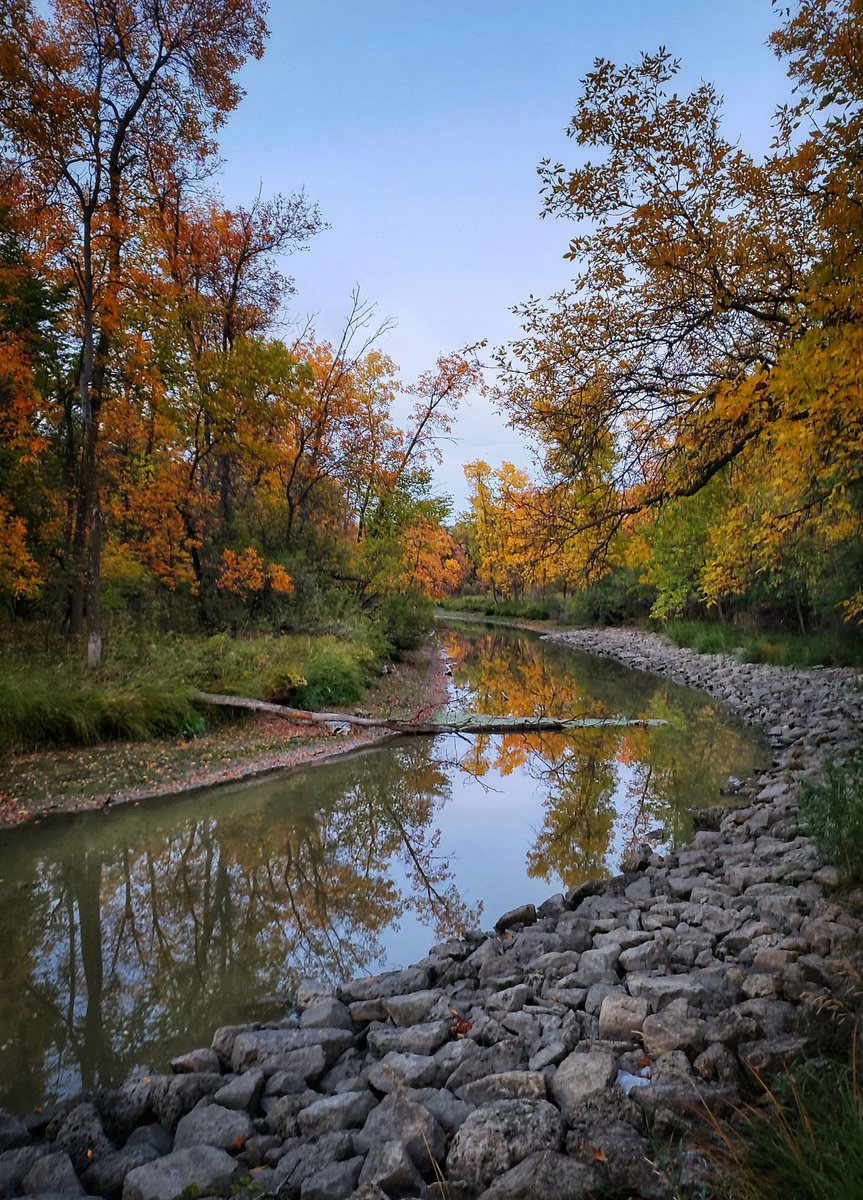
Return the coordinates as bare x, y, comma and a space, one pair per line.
127, 936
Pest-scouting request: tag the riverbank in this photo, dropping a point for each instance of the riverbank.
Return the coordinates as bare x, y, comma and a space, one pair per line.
46, 783
572, 1051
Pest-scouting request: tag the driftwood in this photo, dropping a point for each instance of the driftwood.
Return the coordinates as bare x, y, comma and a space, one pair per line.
464, 723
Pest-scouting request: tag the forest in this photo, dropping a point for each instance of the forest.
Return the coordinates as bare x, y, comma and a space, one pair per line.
177, 459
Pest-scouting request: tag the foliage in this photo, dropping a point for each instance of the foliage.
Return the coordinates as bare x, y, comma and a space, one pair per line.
696, 392
841, 649
832, 813
405, 619
145, 687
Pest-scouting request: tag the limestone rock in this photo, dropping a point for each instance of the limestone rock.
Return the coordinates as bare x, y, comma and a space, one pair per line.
581, 1075
213, 1125
498, 1136
400, 1119
206, 1168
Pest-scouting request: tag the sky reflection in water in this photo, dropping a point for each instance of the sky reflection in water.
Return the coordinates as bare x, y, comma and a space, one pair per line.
127, 936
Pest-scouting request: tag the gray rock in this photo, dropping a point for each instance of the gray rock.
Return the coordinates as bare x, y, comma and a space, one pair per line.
581, 1075
506, 1085
392, 983
251, 1048
626, 1167
659, 990
524, 915
417, 1039
243, 1092
303, 1161
765, 1057
449, 1112
306, 1064
154, 1135
647, 957
13, 1135
621, 1016
334, 1182
413, 1070
14, 1165
347, 1111
595, 965
125, 1108
282, 1117
196, 1060
389, 1166
213, 1125
400, 1119
82, 1137
328, 1013
674, 1029
498, 1136
105, 1177
311, 992
176, 1095
413, 1008
52, 1173
206, 1168
718, 1064
546, 1175
509, 1055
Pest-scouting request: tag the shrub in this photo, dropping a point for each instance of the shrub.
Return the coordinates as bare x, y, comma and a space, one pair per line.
405, 620
832, 813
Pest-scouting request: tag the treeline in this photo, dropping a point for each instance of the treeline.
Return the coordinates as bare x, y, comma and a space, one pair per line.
165, 450
696, 394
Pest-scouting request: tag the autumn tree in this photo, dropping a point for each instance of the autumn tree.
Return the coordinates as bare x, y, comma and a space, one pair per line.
86, 92
717, 301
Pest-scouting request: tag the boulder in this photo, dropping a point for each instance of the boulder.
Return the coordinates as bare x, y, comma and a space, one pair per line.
581, 1075
389, 1165
347, 1111
213, 1125
546, 1175
507, 1085
303, 1161
400, 1119
243, 1092
105, 1177
336, 1181
498, 1136
206, 1169
52, 1173
82, 1137
621, 1016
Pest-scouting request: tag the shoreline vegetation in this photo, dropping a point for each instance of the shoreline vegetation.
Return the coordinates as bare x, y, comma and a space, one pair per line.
44, 782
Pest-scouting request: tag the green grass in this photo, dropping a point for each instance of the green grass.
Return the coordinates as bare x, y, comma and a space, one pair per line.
145, 687
839, 649
804, 1141
831, 811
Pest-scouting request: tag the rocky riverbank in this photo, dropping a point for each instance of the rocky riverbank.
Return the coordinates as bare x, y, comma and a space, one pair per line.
551, 1058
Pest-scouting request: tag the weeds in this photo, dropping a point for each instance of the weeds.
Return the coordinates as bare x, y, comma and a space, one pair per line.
832, 813
780, 649
145, 688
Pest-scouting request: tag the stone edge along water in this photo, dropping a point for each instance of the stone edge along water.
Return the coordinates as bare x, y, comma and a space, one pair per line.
532, 1061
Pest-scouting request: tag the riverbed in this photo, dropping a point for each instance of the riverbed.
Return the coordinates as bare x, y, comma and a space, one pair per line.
127, 936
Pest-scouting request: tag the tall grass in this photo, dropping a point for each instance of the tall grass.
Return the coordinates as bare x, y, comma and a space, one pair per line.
831, 811
146, 687
804, 1141
837, 649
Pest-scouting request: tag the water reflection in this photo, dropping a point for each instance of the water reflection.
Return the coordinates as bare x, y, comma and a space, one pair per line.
127, 936
123, 931
604, 789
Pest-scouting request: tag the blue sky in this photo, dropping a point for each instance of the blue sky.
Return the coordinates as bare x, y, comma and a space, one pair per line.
418, 125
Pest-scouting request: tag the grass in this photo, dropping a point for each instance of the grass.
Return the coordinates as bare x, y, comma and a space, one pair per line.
831, 811
145, 688
838, 649
804, 1141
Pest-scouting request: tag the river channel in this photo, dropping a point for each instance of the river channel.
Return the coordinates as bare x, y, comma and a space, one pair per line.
127, 936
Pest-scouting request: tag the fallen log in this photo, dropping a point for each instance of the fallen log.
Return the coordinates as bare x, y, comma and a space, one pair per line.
464, 723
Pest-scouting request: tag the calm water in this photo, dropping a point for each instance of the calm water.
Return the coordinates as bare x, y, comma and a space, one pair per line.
127, 936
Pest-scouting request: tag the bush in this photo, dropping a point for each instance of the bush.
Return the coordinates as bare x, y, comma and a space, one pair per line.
405, 620
832, 814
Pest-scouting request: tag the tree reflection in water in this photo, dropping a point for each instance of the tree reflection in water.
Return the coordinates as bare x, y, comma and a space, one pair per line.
127, 936
138, 926
605, 789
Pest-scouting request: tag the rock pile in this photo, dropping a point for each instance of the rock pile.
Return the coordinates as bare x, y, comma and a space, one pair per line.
531, 1062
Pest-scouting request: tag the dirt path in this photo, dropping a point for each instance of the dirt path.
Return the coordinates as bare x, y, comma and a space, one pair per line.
42, 784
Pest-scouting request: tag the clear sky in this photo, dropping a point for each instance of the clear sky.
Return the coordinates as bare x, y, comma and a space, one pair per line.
418, 125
